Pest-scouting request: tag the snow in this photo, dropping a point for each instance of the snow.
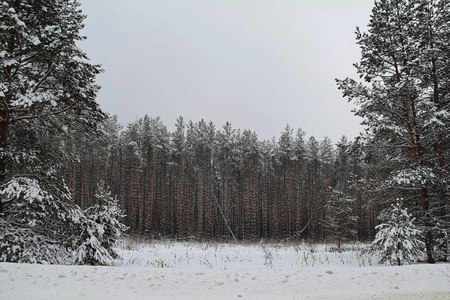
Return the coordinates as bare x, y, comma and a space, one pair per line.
224, 271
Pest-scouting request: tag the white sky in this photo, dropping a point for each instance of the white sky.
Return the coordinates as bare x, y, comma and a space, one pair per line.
259, 64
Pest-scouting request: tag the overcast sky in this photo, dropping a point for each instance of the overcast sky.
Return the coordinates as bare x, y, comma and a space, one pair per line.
259, 64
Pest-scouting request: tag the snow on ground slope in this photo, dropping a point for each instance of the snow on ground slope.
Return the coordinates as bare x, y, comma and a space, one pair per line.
200, 271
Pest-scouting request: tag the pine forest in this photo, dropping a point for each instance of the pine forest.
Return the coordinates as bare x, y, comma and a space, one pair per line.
73, 179
202, 182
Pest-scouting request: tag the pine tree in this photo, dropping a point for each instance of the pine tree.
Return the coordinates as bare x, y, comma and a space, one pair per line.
404, 104
286, 154
326, 155
47, 93
226, 163
340, 218
36, 224
46, 85
44, 77
397, 241
102, 230
340, 221
178, 157
313, 166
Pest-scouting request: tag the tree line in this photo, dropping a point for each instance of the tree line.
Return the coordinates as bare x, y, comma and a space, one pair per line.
204, 182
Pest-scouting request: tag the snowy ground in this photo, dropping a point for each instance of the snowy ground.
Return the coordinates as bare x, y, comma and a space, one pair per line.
222, 271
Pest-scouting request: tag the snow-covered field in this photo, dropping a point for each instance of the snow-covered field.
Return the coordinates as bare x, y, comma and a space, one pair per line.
228, 271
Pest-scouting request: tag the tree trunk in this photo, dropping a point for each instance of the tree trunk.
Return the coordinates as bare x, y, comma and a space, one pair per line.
4, 117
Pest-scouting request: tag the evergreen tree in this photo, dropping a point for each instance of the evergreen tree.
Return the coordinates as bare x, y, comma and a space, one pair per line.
36, 226
47, 94
313, 182
178, 158
299, 182
341, 220
227, 184
102, 230
46, 82
397, 241
47, 86
404, 103
286, 155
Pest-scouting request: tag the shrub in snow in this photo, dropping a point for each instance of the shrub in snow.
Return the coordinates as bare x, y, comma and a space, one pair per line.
102, 229
42, 227
442, 247
397, 240
24, 245
33, 225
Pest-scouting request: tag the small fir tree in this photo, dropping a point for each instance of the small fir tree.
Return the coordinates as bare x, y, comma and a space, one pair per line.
341, 221
397, 240
102, 230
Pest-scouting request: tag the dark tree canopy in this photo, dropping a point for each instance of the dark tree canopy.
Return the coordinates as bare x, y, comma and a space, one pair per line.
47, 94
47, 85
